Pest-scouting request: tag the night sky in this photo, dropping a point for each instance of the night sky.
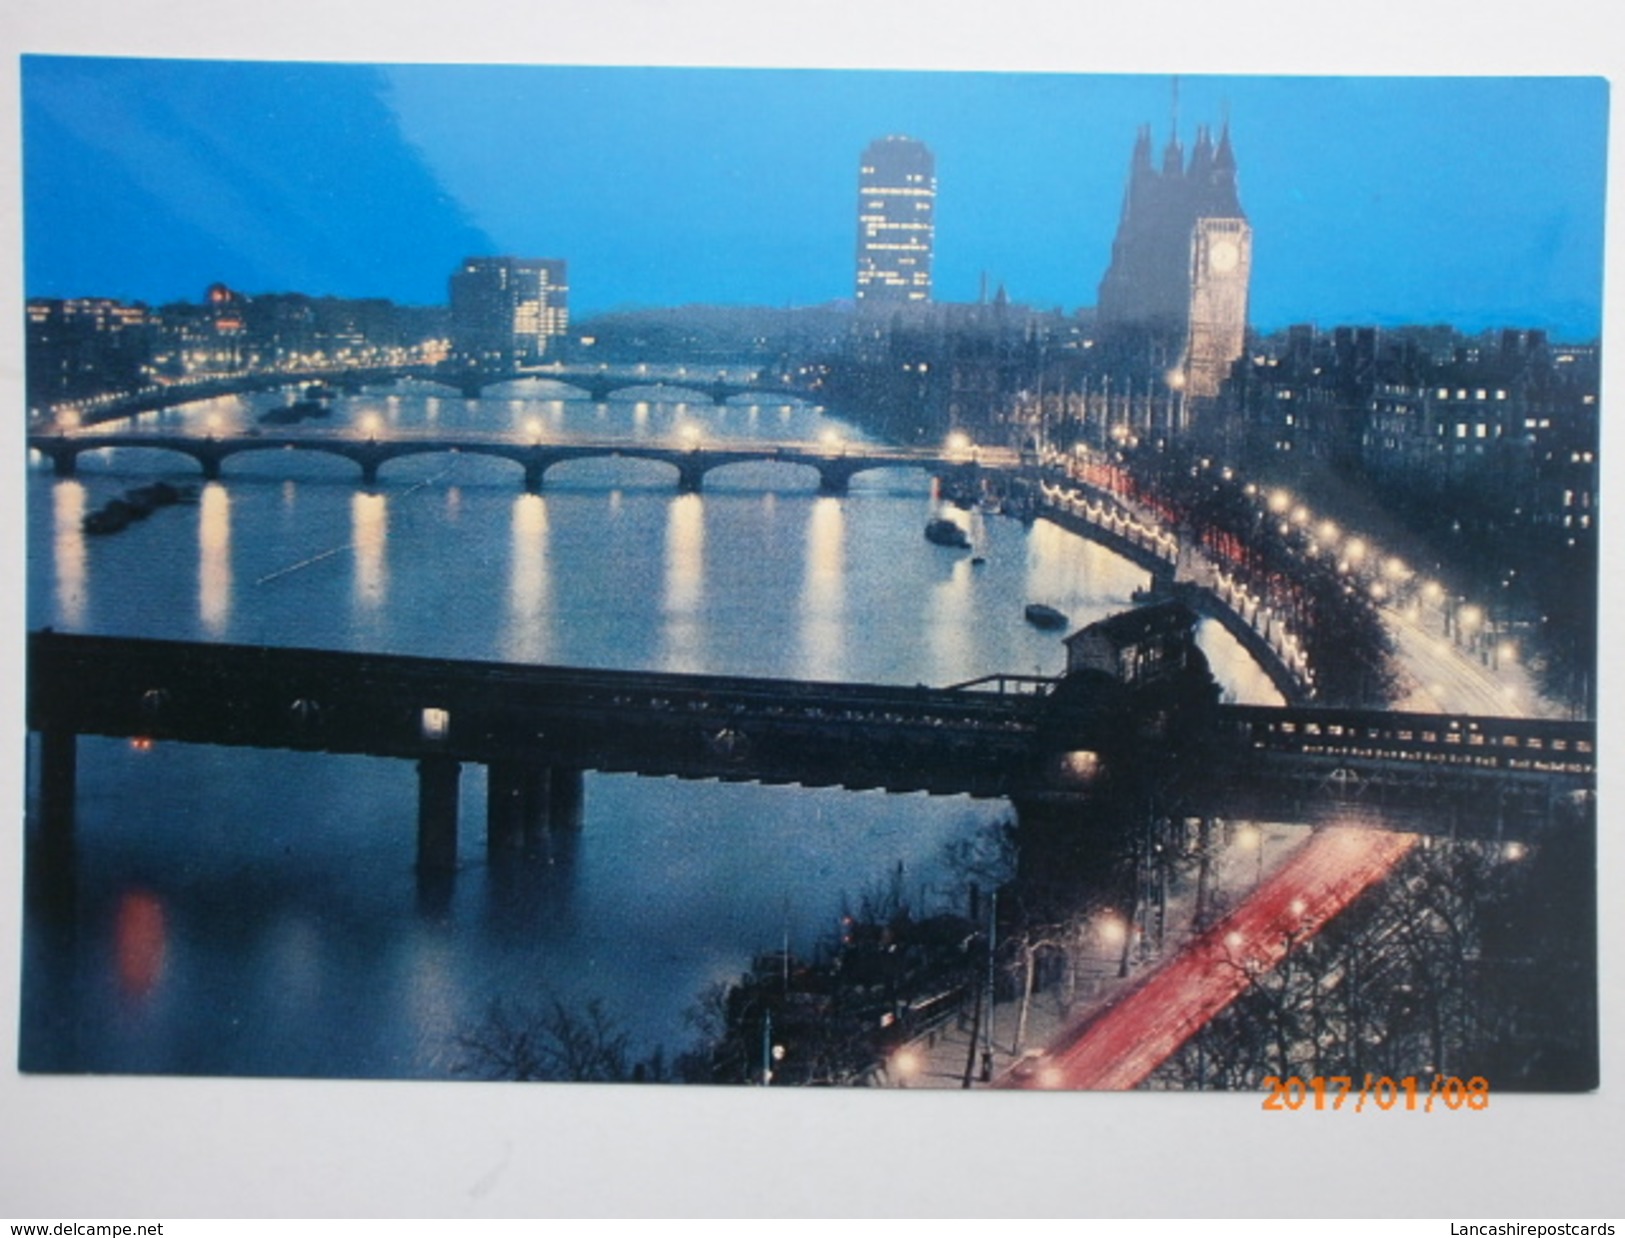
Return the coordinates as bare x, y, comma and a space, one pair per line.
1475, 201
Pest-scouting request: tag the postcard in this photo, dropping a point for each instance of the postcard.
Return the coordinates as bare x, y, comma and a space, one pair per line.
786, 578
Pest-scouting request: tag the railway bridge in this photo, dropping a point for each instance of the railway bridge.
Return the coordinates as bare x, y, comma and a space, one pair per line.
1046, 744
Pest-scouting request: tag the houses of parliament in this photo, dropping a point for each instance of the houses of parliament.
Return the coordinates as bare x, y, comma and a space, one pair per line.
1174, 298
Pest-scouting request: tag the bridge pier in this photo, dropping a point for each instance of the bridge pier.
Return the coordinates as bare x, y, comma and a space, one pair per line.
533, 478
516, 805
523, 800
834, 483
369, 472
65, 463
566, 796
690, 477
438, 777
59, 771
211, 467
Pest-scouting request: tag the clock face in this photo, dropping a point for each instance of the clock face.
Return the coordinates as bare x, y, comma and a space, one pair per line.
1223, 256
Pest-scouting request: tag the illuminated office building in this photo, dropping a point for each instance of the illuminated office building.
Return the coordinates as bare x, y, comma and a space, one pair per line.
897, 195
505, 310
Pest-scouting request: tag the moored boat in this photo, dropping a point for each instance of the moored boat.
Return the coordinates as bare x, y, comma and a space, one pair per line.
942, 532
1041, 616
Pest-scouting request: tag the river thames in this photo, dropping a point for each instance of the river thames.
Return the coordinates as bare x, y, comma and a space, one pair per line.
247, 912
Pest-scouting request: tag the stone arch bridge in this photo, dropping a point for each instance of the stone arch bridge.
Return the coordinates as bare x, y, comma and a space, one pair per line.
835, 466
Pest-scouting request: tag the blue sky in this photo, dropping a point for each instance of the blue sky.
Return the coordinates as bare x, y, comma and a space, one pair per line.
1477, 201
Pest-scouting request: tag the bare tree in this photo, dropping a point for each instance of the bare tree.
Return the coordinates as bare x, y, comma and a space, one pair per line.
555, 1044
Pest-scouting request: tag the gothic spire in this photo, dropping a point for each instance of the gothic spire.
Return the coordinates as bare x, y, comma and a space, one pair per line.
1173, 157
1224, 159
1202, 156
1225, 197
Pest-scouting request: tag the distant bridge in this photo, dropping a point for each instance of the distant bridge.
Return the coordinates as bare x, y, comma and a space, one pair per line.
596, 383
536, 728
835, 465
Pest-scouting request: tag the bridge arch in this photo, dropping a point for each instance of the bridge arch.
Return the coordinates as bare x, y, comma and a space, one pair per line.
730, 473
744, 397
655, 467
925, 469
65, 457
266, 451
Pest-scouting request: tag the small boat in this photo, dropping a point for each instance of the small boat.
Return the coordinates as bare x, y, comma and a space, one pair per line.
111, 518
946, 533
292, 414
1041, 616
136, 504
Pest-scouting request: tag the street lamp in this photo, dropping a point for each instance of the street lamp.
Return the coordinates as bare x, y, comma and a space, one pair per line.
1250, 836
905, 1064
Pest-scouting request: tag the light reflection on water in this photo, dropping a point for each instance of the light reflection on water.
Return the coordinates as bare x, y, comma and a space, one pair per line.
68, 549
823, 595
685, 583
370, 530
214, 559
528, 629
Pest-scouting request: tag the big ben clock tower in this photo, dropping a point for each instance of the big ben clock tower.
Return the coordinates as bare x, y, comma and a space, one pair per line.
1174, 300
1221, 263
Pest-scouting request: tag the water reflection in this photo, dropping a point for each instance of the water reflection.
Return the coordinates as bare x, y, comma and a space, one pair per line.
295, 962
948, 611
214, 559
1059, 575
685, 582
68, 503
528, 631
432, 1004
140, 936
823, 593
369, 523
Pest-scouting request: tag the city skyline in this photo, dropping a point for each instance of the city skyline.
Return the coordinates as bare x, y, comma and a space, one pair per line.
149, 179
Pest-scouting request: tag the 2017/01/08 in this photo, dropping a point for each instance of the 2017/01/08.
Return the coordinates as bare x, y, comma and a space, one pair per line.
1336, 1092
